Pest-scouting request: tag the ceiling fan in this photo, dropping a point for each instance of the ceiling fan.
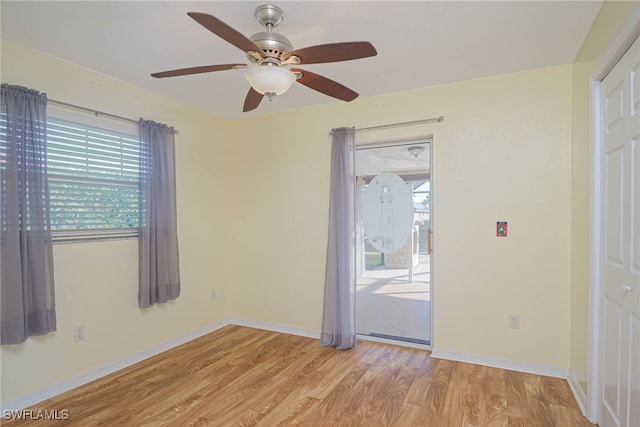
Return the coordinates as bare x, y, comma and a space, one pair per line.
272, 54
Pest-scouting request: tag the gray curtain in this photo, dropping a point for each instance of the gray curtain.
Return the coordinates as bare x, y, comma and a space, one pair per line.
159, 273
26, 256
338, 323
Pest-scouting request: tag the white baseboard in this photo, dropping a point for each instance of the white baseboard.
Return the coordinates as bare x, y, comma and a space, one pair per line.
109, 368
275, 327
578, 393
497, 362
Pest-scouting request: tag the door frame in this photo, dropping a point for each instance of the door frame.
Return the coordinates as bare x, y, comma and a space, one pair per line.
413, 140
616, 51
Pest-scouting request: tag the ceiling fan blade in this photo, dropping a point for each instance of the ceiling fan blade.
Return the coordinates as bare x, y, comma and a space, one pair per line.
225, 32
197, 70
333, 52
252, 100
325, 85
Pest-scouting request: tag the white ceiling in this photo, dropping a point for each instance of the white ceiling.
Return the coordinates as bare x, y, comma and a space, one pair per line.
371, 161
419, 43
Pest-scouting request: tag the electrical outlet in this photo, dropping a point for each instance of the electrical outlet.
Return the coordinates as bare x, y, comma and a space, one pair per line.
78, 333
213, 295
514, 321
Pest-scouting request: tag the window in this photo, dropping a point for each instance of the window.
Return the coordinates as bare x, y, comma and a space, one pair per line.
93, 181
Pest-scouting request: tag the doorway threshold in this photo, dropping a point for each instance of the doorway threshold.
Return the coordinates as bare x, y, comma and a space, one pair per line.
396, 340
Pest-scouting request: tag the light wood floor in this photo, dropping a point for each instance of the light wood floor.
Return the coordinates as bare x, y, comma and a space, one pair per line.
241, 376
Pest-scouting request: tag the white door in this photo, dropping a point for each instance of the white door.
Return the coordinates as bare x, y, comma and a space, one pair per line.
620, 239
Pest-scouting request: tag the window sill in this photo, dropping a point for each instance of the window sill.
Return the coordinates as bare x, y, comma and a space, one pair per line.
82, 236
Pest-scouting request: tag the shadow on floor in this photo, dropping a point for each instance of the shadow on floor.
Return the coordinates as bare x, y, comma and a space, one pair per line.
389, 306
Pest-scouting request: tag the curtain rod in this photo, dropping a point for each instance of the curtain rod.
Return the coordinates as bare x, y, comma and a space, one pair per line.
394, 125
96, 112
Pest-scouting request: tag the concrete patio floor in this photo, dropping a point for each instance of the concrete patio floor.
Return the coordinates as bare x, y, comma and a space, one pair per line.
388, 305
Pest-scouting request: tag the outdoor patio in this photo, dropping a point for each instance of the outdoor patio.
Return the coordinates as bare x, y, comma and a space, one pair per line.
389, 306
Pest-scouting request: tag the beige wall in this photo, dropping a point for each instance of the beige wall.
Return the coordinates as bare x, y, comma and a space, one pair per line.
502, 153
96, 283
253, 209
611, 19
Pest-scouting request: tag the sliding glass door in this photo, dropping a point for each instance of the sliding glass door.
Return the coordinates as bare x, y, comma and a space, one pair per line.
393, 298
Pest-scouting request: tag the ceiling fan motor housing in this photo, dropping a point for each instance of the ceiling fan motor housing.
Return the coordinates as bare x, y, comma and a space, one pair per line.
272, 44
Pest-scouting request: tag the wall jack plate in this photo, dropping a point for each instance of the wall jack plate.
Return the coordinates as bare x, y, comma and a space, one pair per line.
514, 321
78, 333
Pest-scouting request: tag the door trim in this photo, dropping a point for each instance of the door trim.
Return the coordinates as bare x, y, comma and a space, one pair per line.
629, 33
415, 140
593, 357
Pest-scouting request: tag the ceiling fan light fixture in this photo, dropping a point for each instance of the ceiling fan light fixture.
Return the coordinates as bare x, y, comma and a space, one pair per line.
270, 80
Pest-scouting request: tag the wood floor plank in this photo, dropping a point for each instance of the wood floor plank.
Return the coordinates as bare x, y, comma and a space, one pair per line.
417, 394
518, 400
374, 386
435, 399
240, 376
472, 400
567, 416
409, 416
496, 401
344, 395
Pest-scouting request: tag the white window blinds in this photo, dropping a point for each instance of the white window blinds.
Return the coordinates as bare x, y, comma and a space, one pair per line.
93, 180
